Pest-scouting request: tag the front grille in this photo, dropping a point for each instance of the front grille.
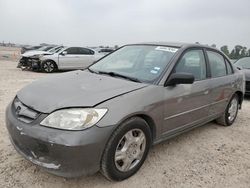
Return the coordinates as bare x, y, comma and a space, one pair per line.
23, 112
247, 85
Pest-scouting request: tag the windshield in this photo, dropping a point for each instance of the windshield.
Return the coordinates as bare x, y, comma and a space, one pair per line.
43, 48
244, 63
56, 49
142, 62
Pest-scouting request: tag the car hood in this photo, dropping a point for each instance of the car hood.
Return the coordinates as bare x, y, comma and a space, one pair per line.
35, 52
74, 89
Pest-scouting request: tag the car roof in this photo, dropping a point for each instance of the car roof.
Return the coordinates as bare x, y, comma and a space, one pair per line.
176, 44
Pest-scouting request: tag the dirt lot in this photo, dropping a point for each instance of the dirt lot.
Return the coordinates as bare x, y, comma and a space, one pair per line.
9, 53
209, 156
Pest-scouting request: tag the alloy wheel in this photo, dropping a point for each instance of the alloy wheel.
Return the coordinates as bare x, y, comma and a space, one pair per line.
232, 110
130, 150
48, 66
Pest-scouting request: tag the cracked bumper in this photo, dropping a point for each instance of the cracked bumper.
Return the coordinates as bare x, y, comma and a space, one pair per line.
63, 153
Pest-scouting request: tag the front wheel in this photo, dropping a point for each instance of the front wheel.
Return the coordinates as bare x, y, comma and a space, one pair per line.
126, 150
48, 66
231, 112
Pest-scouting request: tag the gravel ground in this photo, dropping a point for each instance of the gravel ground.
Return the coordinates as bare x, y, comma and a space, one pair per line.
209, 156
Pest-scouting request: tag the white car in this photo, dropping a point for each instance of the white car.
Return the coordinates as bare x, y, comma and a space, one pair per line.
69, 58
30, 59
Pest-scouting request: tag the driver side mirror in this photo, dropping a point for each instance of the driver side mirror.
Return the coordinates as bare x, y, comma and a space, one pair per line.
179, 78
64, 53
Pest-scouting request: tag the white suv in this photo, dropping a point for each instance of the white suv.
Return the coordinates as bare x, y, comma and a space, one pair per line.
69, 58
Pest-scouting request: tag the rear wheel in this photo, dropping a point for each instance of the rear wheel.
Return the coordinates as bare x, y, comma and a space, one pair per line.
231, 112
48, 66
126, 150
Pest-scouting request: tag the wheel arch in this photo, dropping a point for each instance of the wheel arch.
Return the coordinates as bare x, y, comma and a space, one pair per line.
149, 120
151, 124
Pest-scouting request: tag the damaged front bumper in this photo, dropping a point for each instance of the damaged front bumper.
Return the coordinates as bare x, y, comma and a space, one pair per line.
64, 153
30, 63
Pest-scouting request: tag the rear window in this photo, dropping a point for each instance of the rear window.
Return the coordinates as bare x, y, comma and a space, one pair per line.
217, 64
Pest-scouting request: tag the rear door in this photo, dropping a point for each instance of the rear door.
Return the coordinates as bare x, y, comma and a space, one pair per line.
222, 81
187, 104
86, 57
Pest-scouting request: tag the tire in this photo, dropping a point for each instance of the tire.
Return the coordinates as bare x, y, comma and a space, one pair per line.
130, 142
228, 117
48, 66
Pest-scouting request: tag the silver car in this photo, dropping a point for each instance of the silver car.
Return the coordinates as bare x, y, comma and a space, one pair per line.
107, 117
68, 58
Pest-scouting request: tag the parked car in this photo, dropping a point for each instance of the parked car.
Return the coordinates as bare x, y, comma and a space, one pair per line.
68, 59
107, 116
30, 59
244, 65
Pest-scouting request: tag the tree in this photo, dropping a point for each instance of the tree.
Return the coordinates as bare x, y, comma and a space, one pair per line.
243, 52
238, 49
225, 50
235, 53
232, 54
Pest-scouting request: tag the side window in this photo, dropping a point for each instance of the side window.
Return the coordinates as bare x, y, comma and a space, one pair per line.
229, 67
217, 64
86, 51
72, 50
193, 62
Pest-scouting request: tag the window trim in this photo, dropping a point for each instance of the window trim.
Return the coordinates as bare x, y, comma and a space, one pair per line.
230, 66
181, 56
223, 56
69, 48
92, 52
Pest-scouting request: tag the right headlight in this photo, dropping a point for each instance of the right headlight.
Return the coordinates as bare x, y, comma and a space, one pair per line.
74, 118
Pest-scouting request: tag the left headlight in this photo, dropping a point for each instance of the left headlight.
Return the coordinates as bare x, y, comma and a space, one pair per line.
74, 118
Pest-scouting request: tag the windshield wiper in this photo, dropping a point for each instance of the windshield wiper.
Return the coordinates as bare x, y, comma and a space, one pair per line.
92, 71
113, 74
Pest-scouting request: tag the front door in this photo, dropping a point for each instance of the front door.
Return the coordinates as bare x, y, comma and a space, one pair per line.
69, 60
186, 105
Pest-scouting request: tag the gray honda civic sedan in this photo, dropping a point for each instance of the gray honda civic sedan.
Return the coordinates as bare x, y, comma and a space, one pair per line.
106, 117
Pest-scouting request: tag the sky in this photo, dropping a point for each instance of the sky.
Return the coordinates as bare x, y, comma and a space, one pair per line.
119, 22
